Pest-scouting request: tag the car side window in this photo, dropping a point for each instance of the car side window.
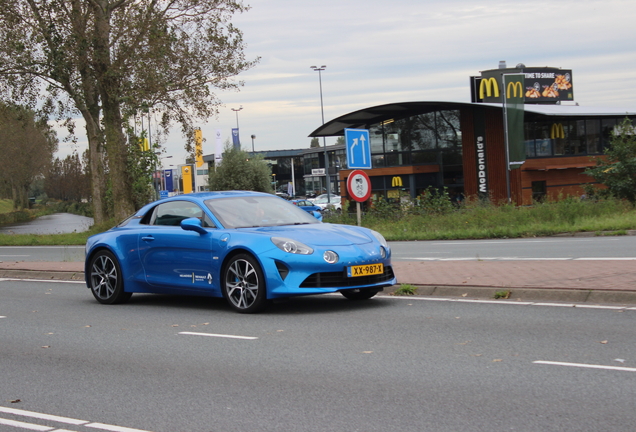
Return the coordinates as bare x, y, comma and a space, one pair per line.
173, 212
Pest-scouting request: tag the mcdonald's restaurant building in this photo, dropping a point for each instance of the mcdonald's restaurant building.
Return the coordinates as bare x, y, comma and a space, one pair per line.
468, 147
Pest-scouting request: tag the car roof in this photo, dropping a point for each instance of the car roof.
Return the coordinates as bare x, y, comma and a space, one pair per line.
204, 196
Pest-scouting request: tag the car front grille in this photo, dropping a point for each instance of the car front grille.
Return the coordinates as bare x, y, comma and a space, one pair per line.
340, 279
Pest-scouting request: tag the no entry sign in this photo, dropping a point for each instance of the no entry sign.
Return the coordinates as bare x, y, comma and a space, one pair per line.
359, 185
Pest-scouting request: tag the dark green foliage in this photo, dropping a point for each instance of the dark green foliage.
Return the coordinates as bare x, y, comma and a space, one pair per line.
618, 170
240, 171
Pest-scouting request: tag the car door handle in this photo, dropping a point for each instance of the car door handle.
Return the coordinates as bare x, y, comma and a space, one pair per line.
148, 238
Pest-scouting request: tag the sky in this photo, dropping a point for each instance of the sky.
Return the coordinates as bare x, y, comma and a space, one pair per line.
378, 52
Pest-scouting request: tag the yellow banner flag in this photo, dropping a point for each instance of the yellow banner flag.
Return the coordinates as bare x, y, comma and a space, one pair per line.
198, 147
186, 176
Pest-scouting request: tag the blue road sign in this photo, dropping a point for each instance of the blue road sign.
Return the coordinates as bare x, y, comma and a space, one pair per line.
358, 148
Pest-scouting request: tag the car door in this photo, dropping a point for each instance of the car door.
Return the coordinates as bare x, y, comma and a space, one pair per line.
175, 258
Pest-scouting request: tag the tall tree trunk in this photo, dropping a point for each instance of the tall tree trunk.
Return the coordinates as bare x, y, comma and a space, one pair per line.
96, 162
110, 93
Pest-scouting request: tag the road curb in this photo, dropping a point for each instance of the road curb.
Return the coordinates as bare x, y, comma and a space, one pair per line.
42, 275
521, 294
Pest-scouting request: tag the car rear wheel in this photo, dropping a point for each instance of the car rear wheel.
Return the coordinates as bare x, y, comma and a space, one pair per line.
105, 279
360, 293
244, 284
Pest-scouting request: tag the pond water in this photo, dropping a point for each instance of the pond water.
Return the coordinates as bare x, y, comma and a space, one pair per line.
58, 223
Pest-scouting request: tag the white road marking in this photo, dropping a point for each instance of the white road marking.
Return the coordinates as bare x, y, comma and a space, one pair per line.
42, 280
113, 428
44, 247
218, 335
41, 416
583, 365
480, 258
58, 419
505, 302
23, 425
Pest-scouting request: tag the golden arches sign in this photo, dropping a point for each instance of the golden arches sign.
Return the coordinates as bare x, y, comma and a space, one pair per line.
396, 182
488, 87
514, 86
556, 131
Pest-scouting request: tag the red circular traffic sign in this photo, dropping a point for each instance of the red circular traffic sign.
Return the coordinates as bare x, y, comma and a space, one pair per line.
359, 185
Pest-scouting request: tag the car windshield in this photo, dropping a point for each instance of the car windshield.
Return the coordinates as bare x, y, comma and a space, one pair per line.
258, 211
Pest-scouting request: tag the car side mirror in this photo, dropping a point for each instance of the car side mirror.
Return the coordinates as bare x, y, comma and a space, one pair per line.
193, 224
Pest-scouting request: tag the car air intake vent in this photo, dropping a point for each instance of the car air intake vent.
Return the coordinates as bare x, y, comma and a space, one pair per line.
340, 279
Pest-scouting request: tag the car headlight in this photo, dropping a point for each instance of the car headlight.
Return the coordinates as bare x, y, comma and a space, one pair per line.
380, 238
331, 257
292, 246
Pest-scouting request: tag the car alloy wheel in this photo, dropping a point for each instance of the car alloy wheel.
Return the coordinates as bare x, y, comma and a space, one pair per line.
244, 284
105, 279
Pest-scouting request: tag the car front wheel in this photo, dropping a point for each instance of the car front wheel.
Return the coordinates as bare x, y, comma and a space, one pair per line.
244, 284
105, 279
360, 294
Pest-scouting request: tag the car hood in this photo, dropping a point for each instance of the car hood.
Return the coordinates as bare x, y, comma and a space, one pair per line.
323, 234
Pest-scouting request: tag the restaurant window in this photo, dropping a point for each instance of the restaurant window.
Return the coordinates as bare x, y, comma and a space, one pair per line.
607, 128
426, 132
593, 136
448, 129
528, 135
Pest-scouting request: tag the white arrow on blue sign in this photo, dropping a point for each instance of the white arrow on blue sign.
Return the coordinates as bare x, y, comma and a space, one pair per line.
358, 148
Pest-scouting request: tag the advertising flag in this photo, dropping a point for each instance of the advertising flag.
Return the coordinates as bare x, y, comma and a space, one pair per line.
198, 147
235, 138
218, 149
167, 174
186, 176
513, 85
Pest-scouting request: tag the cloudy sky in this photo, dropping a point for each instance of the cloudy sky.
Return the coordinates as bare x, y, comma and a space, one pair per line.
378, 52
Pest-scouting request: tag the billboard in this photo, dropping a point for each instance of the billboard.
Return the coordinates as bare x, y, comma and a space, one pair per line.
541, 85
548, 85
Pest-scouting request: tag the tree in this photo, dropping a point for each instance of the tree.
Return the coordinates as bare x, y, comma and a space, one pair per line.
240, 171
107, 59
27, 145
617, 170
314, 143
68, 179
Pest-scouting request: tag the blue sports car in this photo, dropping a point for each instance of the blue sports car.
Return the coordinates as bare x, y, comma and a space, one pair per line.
309, 207
247, 247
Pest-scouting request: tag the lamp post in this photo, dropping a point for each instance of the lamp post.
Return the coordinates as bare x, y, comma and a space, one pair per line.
236, 110
324, 140
253, 136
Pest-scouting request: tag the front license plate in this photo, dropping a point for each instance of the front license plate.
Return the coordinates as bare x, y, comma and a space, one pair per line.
365, 270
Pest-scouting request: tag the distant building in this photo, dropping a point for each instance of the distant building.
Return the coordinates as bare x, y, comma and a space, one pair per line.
462, 146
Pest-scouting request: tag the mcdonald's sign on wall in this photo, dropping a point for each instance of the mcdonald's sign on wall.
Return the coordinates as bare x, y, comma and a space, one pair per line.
556, 131
396, 182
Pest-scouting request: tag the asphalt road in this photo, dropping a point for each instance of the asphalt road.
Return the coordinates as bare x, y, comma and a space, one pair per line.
324, 363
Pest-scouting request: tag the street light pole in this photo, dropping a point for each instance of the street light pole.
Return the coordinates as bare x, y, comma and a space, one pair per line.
324, 140
236, 110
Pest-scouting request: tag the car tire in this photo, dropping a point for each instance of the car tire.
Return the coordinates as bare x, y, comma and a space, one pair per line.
105, 279
244, 284
360, 294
